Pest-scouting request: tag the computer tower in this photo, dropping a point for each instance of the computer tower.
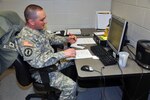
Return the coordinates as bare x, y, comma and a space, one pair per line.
143, 53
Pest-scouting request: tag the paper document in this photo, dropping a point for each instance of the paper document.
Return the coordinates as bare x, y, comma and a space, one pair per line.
85, 41
82, 54
103, 18
77, 46
73, 31
99, 33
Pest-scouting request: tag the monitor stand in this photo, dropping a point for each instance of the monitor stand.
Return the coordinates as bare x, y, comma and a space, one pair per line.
111, 52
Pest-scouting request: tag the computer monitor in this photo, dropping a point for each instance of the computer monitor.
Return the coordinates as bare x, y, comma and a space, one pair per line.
116, 36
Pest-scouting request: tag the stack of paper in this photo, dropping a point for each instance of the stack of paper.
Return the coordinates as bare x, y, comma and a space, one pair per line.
82, 54
82, 41
77, 46
85, 41
99, 33
74, 31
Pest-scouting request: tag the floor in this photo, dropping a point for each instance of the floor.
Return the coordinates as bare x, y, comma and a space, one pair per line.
11, 90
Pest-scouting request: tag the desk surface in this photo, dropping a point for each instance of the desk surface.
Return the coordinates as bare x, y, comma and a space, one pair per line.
133, 79
131, 69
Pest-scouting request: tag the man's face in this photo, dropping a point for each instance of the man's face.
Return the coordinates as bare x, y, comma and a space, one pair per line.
39, 22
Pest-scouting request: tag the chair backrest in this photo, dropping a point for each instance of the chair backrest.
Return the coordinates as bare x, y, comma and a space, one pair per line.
24, 71
23, 74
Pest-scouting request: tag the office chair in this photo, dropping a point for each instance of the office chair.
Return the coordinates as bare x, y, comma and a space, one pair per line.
23, 75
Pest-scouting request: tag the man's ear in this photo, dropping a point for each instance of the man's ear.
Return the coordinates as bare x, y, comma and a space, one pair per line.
31, 22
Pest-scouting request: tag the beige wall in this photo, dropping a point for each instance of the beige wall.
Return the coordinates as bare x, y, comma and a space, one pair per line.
137, 13
62, 14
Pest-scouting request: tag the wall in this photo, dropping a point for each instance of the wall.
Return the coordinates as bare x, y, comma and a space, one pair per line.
137, 13
62, 14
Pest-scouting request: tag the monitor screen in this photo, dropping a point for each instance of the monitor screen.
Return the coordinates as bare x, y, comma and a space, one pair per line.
116, 34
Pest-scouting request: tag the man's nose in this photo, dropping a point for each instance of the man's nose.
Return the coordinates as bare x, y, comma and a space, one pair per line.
45, 21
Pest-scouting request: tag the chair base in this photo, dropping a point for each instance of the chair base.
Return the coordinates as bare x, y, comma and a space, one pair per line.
43, 96
49, 95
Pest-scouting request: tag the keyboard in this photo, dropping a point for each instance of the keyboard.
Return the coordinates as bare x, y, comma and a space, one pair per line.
105, 57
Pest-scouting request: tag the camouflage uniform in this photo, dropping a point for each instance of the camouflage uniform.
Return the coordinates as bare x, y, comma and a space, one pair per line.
35, 47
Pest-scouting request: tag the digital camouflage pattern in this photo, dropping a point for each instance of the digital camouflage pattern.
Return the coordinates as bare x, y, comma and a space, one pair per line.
35, 47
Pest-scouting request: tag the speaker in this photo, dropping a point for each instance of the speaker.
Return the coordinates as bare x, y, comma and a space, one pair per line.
143, 53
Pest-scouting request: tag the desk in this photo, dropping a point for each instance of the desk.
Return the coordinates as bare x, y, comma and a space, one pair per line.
134, 80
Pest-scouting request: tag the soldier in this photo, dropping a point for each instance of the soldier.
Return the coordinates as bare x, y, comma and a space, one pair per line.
35, 45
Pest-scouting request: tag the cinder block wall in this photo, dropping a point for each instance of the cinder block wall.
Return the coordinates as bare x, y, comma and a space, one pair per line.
62, 14
137, 12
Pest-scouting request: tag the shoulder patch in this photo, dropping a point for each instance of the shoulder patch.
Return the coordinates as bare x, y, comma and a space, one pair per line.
27, 43
28, 52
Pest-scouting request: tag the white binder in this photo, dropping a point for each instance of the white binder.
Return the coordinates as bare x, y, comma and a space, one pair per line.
103, 18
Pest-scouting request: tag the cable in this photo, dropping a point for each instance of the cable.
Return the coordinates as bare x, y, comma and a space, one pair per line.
104, 83
123, 83
140, 97
100, 79
141, 69
137, 86
103, 91
131, 52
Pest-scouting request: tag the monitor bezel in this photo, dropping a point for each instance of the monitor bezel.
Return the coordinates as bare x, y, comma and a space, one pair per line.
122, 39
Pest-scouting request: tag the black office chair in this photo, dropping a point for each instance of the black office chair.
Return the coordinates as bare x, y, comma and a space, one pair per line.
23, 75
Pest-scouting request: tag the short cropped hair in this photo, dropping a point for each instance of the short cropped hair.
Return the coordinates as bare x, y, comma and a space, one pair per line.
30, 11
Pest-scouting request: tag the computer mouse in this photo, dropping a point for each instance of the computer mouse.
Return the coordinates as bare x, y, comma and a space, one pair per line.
87, 68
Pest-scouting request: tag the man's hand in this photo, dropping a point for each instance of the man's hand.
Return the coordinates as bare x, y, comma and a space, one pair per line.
72, 38
70, 52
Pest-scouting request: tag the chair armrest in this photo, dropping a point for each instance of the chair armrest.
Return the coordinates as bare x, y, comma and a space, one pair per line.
44, 72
